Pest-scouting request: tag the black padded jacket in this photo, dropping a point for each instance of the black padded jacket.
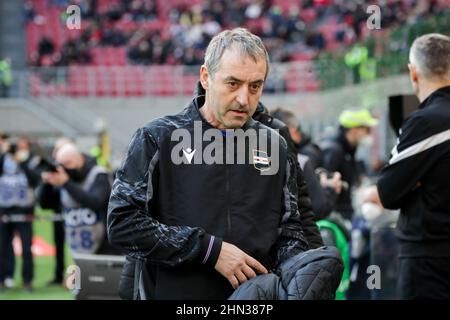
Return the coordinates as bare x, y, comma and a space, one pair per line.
170, 218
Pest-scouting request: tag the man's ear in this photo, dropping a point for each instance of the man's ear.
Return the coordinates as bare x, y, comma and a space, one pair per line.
412, 72
204, 76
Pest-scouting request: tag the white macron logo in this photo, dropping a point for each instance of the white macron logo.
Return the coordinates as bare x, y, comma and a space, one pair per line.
189, 154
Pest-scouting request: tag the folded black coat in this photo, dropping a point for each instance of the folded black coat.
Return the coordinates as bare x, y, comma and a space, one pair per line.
311, 275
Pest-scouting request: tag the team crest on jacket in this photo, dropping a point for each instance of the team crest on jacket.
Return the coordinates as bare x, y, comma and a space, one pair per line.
261, 160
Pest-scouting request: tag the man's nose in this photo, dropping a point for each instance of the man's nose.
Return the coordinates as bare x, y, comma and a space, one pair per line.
242, 96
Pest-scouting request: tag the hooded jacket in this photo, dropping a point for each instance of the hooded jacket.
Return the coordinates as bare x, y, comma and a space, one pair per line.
169, 210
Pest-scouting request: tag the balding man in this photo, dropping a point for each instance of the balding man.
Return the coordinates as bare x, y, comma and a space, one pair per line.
416, 178
58, 225
83, 190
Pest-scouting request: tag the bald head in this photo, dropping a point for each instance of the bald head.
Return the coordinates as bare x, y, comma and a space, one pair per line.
59, 143
69, 156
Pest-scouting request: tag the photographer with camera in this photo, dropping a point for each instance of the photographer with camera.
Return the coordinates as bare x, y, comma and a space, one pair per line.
339, 153
82, 190
17, 201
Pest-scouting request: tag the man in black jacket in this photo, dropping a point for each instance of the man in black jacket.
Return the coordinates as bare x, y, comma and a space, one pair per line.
198, 228
302, 141
416, 178
323, 190
81, 189
339, 153
307, 216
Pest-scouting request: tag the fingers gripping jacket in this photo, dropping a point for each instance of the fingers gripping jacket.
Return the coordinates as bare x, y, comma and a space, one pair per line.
311, 275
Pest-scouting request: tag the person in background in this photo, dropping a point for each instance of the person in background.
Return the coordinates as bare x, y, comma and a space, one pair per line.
17, 201
5, 77
323, 190
9, 263
83, 190
416, 177
302, 141
339, 153
58, 223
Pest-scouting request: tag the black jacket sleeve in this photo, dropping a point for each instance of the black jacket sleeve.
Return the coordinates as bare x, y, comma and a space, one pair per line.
292, 240
333, 158
306, 207
406, 167
307, 216
33, 176
131, 223
49, 197
323, 199
96, 198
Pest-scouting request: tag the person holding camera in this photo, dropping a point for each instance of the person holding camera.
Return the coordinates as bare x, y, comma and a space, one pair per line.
82, 189
17, 201
339, 152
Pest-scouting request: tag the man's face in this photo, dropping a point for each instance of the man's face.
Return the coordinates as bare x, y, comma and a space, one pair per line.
233, 94
295, 134
70, 162
362, 133
4, 145
23, 144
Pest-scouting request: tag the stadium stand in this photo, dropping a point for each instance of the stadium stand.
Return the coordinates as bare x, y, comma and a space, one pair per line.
116, 36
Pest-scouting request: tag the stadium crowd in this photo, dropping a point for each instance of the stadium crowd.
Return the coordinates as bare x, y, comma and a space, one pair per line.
178, 34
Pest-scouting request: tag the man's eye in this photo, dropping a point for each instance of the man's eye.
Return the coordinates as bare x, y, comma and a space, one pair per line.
233, 84
255, 87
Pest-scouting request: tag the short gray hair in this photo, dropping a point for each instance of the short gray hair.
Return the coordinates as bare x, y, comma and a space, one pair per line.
248, 44
287, 116
430, 54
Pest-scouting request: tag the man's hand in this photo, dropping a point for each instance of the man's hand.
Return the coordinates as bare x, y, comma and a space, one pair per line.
237, 266
57, 179
335, 182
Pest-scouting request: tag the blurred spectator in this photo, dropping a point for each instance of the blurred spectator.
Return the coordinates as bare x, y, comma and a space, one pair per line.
5, 78
45, 46
17, 201
82, 188
339, 153
8, 263
58, 225
323, 189
29, 11
142, 53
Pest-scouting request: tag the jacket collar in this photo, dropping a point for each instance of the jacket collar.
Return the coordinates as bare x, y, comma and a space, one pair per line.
305, 141
193, 111
439, 93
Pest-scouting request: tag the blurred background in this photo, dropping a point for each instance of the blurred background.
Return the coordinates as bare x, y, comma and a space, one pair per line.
134, 60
